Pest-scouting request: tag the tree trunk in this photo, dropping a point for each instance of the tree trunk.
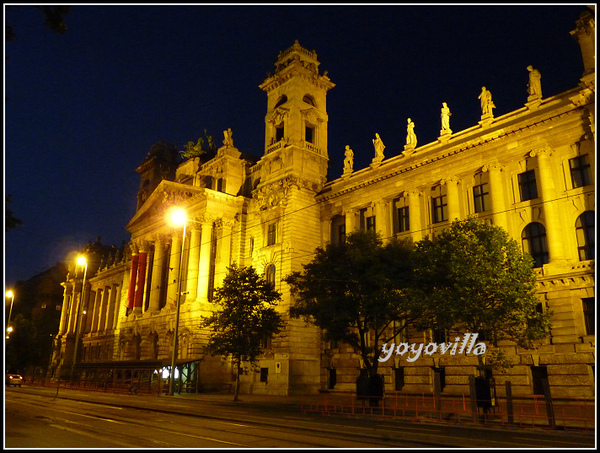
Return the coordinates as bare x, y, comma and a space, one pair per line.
237, 380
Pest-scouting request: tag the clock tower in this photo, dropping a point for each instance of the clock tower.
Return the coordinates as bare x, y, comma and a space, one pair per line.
286, 217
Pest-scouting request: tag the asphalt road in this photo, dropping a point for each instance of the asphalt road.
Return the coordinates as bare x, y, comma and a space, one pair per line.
43, 418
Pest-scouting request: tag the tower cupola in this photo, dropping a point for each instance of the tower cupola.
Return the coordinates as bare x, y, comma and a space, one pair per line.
296, 105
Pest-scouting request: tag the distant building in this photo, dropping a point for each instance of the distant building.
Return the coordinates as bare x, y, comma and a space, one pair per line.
531, 171
37, 305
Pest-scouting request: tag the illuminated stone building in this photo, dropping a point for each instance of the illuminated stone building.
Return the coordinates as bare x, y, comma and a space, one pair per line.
531, 171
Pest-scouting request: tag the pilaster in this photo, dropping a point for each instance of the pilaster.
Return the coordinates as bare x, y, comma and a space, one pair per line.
554, 233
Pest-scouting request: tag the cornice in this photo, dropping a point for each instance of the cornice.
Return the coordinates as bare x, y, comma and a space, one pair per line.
423, 156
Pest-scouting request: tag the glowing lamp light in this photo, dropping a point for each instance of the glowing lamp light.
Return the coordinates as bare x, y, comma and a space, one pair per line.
178, 217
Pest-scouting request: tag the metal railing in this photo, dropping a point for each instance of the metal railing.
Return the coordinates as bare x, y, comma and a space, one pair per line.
533, 411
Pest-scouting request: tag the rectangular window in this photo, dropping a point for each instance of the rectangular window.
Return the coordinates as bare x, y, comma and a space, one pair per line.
265, 342
331, 378
481, 198
440, 335
398, 379
403, 220
367, 221
370, 223
527, 185
309, 133
439, 207
580, 171
539, 374
341, 233
589, 315
338, 229
439, 373
264, 374
272, 234
279, 132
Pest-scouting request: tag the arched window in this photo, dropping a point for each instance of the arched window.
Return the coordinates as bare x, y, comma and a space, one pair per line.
270, 274
533, 239
282, 100
585, 227
309, 100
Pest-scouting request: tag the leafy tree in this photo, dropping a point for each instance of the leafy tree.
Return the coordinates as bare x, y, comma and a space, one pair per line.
474, 276
246, 317
10, 221
54, 16
357, 289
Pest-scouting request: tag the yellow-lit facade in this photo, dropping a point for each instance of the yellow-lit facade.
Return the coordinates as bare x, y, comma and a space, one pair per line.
531, 171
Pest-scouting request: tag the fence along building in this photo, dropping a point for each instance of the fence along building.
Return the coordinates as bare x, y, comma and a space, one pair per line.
531, 171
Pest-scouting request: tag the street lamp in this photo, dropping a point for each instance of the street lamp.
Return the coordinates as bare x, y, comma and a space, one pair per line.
10, 294
178, 218
81, 261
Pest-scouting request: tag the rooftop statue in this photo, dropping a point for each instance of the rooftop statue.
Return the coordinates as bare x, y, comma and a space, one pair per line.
411, 137
348, 160
534, 87
379, 147
228, 140
486, 102
445, 115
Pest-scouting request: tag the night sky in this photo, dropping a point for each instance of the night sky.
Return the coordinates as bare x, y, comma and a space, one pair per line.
83, 109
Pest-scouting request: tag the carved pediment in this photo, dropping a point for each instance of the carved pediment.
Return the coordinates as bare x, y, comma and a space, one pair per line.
311, 115
277, 115
166, 195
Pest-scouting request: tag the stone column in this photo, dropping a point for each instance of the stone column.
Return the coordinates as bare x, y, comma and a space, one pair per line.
351, 221
118, 306
104, 309
497, 195
140, 283
132, 279
193, 263
381, 219
73, 310
223, 251
204, 266
97, 310
173, 270
90, 311
554, 233
66, 307
414, 214
453, 198
157, 273
112, 301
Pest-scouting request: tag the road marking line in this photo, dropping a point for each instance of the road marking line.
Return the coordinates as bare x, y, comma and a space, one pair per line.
87, 434
554, 441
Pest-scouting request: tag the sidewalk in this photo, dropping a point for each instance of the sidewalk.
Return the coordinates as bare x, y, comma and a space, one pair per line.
190, 400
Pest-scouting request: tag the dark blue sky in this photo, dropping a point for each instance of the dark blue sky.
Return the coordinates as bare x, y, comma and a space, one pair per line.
84, 108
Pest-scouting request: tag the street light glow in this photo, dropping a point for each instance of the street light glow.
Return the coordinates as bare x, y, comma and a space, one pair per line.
81, 261
178, 217
9, 328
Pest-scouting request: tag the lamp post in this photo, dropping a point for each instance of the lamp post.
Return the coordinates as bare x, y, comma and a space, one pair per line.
81, 261
178, 218
10, 294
